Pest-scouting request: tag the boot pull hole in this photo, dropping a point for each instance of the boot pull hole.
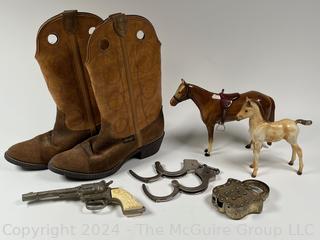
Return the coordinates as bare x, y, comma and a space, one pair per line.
104, 44
140, 35
91, 30
52, 39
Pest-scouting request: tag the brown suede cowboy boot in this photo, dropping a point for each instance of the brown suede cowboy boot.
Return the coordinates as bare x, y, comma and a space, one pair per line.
124, 64
62, 62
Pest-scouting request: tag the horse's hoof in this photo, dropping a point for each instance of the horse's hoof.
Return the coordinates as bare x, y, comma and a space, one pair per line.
269, 143
207, 154
248, 146
290, 163
299, 173
253, 175
251, 166
206, 150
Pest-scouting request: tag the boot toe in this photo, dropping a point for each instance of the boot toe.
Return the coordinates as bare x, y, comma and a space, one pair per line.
26, 154
73, 160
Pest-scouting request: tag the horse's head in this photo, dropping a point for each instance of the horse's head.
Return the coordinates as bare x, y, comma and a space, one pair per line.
181, 94
249, 108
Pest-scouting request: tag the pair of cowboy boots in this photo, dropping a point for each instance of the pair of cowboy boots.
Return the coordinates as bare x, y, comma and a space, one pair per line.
106, 84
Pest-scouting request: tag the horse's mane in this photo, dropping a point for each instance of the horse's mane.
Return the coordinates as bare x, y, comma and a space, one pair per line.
263, 114
200, 88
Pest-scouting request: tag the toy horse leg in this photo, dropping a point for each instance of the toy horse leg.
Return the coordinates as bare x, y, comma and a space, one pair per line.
210, 129
299, 152
271, 114
294, 155
256, 152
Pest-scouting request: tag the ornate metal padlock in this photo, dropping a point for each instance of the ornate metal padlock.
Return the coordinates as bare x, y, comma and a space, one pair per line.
237, 199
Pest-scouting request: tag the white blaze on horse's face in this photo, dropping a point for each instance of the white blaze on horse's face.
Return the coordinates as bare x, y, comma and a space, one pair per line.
179, 95
180, 90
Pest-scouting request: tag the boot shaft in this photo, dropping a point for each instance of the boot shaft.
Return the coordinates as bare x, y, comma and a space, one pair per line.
61, 60
124, 64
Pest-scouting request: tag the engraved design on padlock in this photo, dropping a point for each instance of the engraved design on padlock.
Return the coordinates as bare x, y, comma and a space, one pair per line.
237, 199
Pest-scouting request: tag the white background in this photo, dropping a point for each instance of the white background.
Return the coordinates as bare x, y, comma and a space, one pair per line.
271, 46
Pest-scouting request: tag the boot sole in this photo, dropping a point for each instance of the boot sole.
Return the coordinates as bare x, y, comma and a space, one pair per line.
141, 153
25, 165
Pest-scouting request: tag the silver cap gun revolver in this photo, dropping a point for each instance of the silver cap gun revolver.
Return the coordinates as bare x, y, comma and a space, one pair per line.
96, 196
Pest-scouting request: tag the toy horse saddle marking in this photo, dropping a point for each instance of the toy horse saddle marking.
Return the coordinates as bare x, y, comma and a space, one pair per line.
226, 100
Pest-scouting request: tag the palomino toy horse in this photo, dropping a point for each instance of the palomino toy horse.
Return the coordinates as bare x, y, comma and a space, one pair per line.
217, 108
263, 131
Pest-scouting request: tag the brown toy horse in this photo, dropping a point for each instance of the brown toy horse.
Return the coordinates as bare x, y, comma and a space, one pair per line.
219, 108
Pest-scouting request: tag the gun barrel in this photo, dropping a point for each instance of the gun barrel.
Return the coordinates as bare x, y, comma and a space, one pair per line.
29, 197
68, 193
51, 195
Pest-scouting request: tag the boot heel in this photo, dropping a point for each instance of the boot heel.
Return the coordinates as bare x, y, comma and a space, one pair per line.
150, 149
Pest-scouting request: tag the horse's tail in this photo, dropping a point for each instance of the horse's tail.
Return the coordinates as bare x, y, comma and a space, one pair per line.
272, 111
304, 122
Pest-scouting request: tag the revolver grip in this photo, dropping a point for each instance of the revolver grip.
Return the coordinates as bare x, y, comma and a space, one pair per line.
129, 205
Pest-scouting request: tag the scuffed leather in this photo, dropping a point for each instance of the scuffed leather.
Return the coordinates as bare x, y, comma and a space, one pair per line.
58, 67
117, 61
83, 159
40, 149
109, 80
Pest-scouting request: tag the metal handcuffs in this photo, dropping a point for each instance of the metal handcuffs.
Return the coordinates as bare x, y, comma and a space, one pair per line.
204, 172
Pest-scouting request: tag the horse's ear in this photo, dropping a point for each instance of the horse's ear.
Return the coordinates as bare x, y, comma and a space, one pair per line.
183, 81
248, 103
